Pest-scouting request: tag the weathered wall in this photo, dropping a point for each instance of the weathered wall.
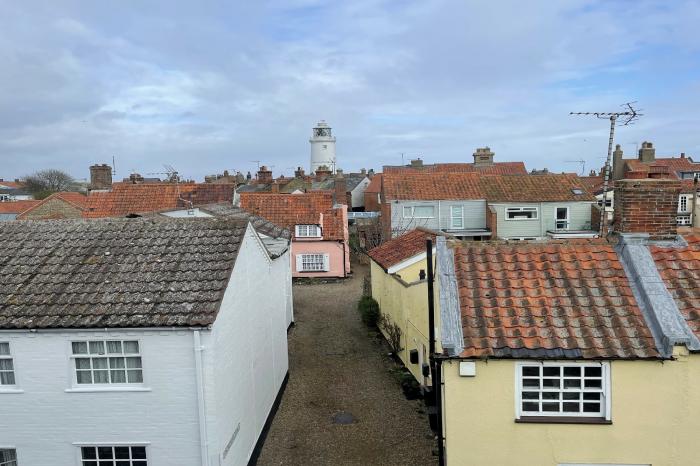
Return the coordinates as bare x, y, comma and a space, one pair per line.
52, 209
647, 206
407, 305
357, 195
246, 354
654, 419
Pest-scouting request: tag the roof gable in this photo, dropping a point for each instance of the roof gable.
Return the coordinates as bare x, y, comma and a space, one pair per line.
401, 248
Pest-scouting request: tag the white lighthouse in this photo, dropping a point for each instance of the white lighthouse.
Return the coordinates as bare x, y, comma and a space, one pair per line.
322, 147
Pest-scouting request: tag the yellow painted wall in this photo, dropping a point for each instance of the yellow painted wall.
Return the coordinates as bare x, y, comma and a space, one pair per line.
655, 419
407, 305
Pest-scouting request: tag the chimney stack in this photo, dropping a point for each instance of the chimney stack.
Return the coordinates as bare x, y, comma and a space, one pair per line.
417, 163
647, 205
483, 157
100, 176
299, 173
341, 190
647, 153
618, 164
275, 187
264, 175
323, 173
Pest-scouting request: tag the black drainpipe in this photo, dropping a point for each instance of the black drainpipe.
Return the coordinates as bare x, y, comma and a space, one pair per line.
435, 362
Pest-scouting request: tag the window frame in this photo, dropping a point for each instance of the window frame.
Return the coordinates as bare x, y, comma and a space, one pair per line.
684, 198
110, 386
11, 357
542, 416
325, 262
305, 227
534, 209
413, 211
460, 217
567, 220
81, 445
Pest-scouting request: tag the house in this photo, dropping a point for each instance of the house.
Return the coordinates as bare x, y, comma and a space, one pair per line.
129, 199
14, 191
575, 352
372, 194
483, 164
61, 205
320, 229
11, 209
143, 340
479, 207
349, 188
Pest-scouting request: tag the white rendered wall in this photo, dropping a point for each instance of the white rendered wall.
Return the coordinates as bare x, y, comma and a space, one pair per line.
245, 356
45, 421
322, 152
357, 195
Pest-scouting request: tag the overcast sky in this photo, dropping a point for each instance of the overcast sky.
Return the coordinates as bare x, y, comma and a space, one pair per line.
206, 86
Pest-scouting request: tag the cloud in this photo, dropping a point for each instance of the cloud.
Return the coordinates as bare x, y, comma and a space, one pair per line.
213, 85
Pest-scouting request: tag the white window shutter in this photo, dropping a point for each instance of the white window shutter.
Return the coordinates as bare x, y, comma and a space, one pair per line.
326, 263
299, 263
296, 233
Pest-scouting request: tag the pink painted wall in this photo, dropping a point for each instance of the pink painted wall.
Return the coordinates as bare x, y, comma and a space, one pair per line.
334, 249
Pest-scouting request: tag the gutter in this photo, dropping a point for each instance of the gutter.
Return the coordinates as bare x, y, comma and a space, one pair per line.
198, 349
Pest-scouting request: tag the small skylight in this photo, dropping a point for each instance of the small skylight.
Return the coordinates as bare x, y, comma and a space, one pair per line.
577, 191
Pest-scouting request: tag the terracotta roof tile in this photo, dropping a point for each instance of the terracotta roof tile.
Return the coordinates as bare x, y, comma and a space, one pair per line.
562, 298
288, 210
498, 168
16, 207
680, 270
375, 186
493, 188
674, 164
128, 198
11, 184
401, 248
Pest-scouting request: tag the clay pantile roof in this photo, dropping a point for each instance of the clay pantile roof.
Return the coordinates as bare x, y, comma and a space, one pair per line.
11, 185
431, 186
534, 188
16, 207
674, 164
115, 272
77, 200
401, 248
594, 184
493, 188
548, 300
128, 198
288, 210
498, 168
375, 185
680, 270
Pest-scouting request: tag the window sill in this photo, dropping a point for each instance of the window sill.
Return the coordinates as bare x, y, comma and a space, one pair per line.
562, 420
10, 391
107, 389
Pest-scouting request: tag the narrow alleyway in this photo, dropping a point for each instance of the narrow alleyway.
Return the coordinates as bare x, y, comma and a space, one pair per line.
338, 369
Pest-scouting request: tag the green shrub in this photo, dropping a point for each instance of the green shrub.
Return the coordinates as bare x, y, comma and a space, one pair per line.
369, 310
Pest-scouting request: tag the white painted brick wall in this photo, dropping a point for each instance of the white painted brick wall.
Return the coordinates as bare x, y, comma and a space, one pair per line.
245, 361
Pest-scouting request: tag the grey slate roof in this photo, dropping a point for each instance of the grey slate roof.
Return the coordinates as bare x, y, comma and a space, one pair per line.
141, 272
228, 210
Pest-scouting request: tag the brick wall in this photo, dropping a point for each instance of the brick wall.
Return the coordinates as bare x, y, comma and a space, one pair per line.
52, 209
647, 206
492, 221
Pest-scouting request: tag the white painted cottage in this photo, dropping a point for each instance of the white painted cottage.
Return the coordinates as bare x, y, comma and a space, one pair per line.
134, 342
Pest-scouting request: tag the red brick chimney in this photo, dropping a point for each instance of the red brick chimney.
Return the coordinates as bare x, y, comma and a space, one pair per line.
100, 176
341, 191
322, 173
647, 205
264, 175
276, 187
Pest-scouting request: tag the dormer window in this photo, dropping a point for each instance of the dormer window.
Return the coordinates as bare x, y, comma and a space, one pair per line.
308, 231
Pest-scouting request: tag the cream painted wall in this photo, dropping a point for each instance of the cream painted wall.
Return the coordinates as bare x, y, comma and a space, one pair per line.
655, 415
407, 305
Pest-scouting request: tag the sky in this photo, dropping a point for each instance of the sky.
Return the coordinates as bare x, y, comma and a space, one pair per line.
209, 86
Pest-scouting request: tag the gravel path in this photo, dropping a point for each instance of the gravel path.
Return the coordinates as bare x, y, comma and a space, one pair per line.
337, 366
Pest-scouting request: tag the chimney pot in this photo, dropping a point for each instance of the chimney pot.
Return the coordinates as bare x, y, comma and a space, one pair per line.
647, 153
